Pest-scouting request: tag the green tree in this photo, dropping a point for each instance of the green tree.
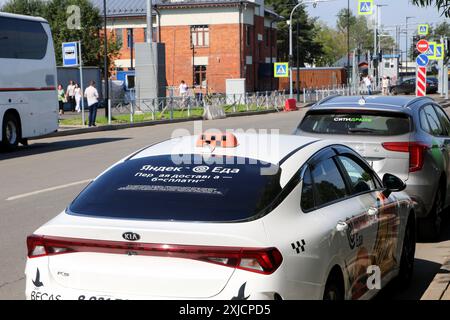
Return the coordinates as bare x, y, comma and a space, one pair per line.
443, 6
361, 36
309, 49
334, 45
26, 7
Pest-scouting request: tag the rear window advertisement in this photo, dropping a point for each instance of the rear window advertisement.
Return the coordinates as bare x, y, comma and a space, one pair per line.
356, 124
153, 188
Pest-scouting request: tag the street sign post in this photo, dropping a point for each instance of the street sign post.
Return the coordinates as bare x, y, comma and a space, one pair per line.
70, 54
421, 82
365, 7
281, 70
422, 46
423, 29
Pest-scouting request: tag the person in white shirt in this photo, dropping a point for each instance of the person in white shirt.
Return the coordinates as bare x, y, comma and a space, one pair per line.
368, 84
385, 86
91, 95
70, 95
183, 93
78, 97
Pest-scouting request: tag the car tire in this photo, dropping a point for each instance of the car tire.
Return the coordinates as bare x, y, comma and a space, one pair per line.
11, 134
430, 227
333, 289
407, 256
394, 92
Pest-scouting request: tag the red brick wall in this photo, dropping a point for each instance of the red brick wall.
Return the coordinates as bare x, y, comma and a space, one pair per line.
222, 52
224, 58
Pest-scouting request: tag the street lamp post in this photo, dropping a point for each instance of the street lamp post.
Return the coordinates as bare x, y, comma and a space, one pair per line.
406, 48
314, 2
106, 64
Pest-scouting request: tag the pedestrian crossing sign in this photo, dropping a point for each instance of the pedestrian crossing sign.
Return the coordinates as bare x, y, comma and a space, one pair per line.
423, 29
365, 7
431, 53
281, 70
439, 52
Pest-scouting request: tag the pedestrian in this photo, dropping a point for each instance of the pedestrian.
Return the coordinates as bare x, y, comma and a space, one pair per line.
70, 95
61, 98
368, 84
91, 95
183, 88
389, 85
385, 86
78, 97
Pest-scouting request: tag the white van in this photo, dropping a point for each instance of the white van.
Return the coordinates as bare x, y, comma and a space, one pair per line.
28, 94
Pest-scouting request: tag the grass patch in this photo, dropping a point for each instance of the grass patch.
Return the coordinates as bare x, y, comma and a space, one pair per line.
125, 118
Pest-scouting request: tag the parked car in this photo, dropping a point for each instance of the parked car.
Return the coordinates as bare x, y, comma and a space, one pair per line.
409, 87
222, 216
408, 137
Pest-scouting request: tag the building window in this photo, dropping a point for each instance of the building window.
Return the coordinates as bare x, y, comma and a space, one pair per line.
248, 35
130, 38
200, 76
200, 36
119, 37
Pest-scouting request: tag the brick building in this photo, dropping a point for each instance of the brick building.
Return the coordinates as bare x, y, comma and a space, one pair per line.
206, 41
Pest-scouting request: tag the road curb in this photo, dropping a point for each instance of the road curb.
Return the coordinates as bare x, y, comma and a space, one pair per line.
111, 127
439, 288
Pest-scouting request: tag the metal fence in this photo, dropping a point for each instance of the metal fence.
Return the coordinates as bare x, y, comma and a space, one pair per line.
193, 105
311, 95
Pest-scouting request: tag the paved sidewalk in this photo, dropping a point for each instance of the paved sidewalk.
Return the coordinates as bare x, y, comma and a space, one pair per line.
439, 288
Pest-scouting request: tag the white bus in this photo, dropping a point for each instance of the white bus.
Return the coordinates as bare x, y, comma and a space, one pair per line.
28, 94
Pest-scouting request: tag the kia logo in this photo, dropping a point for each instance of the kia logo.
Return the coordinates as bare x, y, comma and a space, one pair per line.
131, 236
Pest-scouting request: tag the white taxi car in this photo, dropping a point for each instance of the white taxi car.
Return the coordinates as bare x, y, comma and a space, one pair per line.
221, 216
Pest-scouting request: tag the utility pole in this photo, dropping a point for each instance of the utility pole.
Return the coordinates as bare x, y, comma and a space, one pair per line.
406, 49
106, 71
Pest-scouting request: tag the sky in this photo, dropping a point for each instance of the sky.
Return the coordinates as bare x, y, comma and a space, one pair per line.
395, 12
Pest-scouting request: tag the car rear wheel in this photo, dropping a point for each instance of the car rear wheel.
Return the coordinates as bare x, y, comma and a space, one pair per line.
10, 132
408, 252
333, 289
430, 226
394, 92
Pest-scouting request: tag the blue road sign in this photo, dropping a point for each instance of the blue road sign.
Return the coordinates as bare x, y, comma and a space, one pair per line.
431, 53
365, 7
422, 60
281, 70
70, 54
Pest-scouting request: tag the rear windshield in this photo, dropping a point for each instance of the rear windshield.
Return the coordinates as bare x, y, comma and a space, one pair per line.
214, 189
356, 123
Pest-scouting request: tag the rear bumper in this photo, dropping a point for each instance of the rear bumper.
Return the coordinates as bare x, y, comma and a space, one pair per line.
242, 285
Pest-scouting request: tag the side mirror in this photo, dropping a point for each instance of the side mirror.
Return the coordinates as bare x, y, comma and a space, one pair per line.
393, 183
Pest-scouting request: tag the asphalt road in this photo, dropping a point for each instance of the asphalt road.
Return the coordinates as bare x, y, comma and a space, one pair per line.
38, 181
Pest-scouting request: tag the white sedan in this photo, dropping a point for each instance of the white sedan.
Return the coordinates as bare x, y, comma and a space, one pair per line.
224, 216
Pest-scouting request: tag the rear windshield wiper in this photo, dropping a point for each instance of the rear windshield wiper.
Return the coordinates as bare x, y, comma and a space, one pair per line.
363, 130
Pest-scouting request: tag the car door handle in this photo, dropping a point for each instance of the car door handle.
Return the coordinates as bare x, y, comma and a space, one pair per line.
341, 226
372, 211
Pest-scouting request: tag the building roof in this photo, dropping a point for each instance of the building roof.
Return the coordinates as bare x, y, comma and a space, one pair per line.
121, 8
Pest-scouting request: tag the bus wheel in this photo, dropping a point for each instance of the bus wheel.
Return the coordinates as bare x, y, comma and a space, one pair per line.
10, 132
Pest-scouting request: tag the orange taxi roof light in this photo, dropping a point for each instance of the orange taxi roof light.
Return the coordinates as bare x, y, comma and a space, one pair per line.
217, 139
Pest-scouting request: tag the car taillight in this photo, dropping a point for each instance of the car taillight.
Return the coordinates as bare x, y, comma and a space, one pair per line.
260, 260
416, 152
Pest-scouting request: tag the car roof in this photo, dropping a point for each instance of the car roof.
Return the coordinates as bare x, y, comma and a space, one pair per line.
271, 148
379, 103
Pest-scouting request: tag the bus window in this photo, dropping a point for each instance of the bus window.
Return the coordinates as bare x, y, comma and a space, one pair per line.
22, 39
